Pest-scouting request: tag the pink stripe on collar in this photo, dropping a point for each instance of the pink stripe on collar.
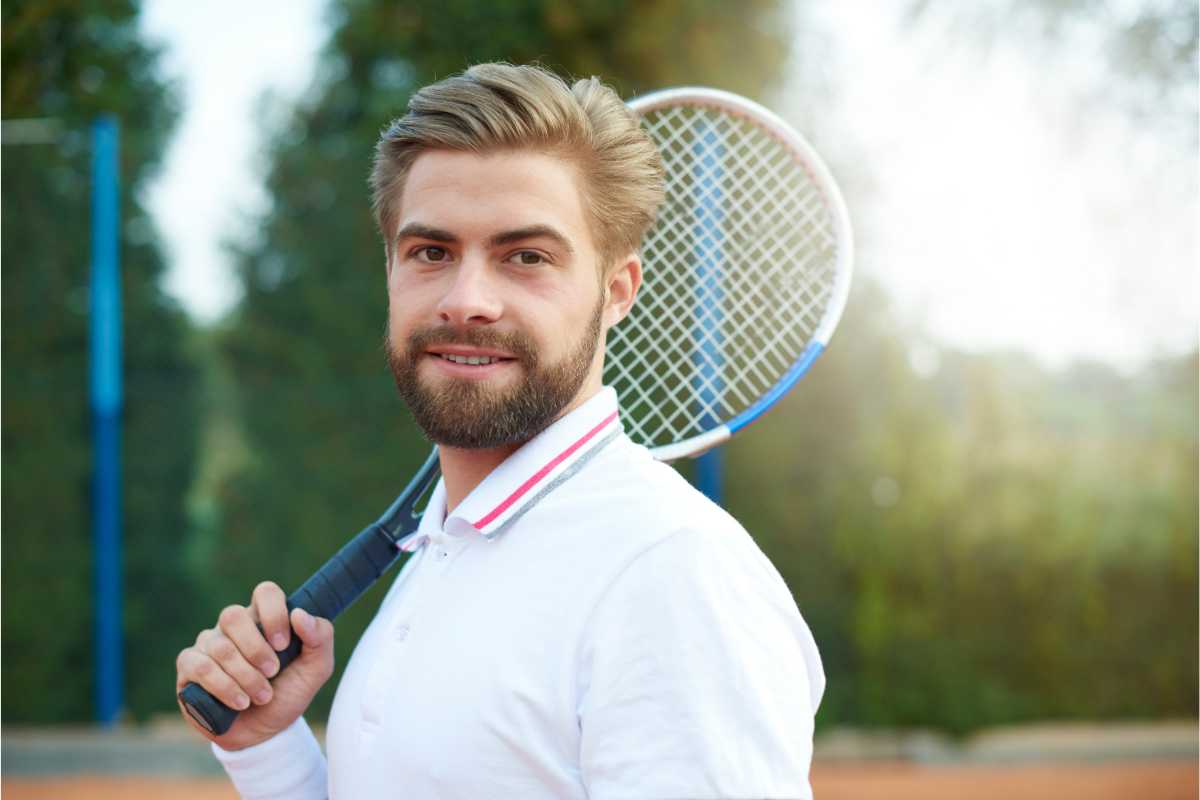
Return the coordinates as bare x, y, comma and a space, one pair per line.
541, 473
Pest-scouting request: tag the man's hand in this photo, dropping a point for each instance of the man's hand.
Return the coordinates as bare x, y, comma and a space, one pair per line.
234, 662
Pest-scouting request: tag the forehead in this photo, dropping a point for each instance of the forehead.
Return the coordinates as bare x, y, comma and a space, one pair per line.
471, 194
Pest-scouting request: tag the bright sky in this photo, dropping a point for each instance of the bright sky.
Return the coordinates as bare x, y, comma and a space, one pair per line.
225, 54
996, 215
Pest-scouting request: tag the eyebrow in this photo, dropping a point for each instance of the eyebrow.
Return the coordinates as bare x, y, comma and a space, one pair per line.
532, 232
417, 230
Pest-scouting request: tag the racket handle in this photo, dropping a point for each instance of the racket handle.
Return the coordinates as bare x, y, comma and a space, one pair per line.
332, 589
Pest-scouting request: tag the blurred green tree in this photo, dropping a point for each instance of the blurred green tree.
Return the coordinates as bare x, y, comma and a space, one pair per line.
329, 442
976, 540
68, 62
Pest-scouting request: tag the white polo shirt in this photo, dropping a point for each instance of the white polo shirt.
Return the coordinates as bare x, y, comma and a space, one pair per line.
584, 625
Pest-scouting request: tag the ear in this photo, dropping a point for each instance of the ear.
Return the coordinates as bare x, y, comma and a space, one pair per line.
621, 287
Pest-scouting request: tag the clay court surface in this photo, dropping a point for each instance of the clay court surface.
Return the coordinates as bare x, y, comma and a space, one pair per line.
1144, 780
1148, 761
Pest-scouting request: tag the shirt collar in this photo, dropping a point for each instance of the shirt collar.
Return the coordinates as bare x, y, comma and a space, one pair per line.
433, 519
524, 478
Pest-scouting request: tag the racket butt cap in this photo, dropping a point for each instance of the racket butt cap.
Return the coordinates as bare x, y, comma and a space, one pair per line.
208, 712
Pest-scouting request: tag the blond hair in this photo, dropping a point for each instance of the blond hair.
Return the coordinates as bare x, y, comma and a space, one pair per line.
498, 106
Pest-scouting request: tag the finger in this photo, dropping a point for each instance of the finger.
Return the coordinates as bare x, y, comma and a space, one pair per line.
194, 666
270, 603
250, 679
186, 657
239, 626
315, 632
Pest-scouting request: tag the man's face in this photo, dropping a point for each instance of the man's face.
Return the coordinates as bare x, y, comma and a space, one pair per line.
497, 306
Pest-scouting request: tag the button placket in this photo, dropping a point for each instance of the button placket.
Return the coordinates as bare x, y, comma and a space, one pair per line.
441, 555
404, 607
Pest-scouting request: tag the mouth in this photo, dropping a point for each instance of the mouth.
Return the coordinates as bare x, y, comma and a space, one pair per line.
471, 360
462, 360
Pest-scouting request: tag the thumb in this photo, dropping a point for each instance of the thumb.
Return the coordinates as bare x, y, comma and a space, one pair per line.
315, 633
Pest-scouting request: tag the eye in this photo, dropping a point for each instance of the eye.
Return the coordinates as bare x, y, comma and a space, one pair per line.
431, 254
528, 258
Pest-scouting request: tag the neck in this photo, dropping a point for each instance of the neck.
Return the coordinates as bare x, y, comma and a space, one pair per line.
463, 470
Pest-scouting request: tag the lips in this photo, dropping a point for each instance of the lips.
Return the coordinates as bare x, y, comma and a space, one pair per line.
471, 360
469, 356
467, 360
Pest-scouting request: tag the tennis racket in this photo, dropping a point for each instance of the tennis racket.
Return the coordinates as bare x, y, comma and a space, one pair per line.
747, 272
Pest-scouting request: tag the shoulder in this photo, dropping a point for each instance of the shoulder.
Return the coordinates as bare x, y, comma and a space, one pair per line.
640, 496
666, 518
697, 674
678, 546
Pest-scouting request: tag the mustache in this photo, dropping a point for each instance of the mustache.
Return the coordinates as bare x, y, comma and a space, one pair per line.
513, 342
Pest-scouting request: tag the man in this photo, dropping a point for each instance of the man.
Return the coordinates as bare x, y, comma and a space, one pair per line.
577, 621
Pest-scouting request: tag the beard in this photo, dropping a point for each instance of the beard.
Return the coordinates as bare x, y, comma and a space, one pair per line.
470, 415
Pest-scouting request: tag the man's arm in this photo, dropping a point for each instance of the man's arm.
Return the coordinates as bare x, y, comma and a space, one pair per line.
288, 765
699, 678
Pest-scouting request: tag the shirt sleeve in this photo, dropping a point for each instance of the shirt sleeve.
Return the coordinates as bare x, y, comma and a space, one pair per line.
698, 677
288, 765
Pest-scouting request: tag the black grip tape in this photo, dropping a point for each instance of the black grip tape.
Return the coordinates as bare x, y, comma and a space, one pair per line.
350, 572
329, 592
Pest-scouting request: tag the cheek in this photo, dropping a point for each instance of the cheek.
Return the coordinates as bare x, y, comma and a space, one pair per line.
566, 324
398, 284
401, 319
410, 299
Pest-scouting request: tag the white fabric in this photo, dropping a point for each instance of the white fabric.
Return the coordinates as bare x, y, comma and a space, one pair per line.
623, 637
287, 765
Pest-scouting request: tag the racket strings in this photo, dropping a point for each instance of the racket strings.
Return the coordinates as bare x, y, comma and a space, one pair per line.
740, 271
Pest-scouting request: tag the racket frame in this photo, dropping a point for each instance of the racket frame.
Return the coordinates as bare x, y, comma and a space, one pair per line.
804, 154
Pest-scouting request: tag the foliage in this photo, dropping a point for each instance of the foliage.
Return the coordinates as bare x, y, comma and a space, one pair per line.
986, 544
70, 62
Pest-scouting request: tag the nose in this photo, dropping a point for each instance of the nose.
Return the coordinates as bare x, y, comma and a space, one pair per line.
472, 297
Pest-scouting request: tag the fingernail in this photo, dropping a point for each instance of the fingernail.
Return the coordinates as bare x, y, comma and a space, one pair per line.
306, 621
279, 641
268, 668
242, 702
263, 696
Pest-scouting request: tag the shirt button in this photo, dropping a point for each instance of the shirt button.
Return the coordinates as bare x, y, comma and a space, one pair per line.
401, 633
442, 554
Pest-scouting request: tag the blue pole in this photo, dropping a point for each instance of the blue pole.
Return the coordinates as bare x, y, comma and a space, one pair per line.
710, 235
105, 355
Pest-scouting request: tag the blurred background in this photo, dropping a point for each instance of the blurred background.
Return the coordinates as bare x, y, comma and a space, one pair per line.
984, 496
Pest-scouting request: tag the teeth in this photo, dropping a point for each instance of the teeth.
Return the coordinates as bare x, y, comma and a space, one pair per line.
472, 360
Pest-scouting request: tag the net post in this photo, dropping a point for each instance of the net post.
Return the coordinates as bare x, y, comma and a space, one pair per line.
105, 393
